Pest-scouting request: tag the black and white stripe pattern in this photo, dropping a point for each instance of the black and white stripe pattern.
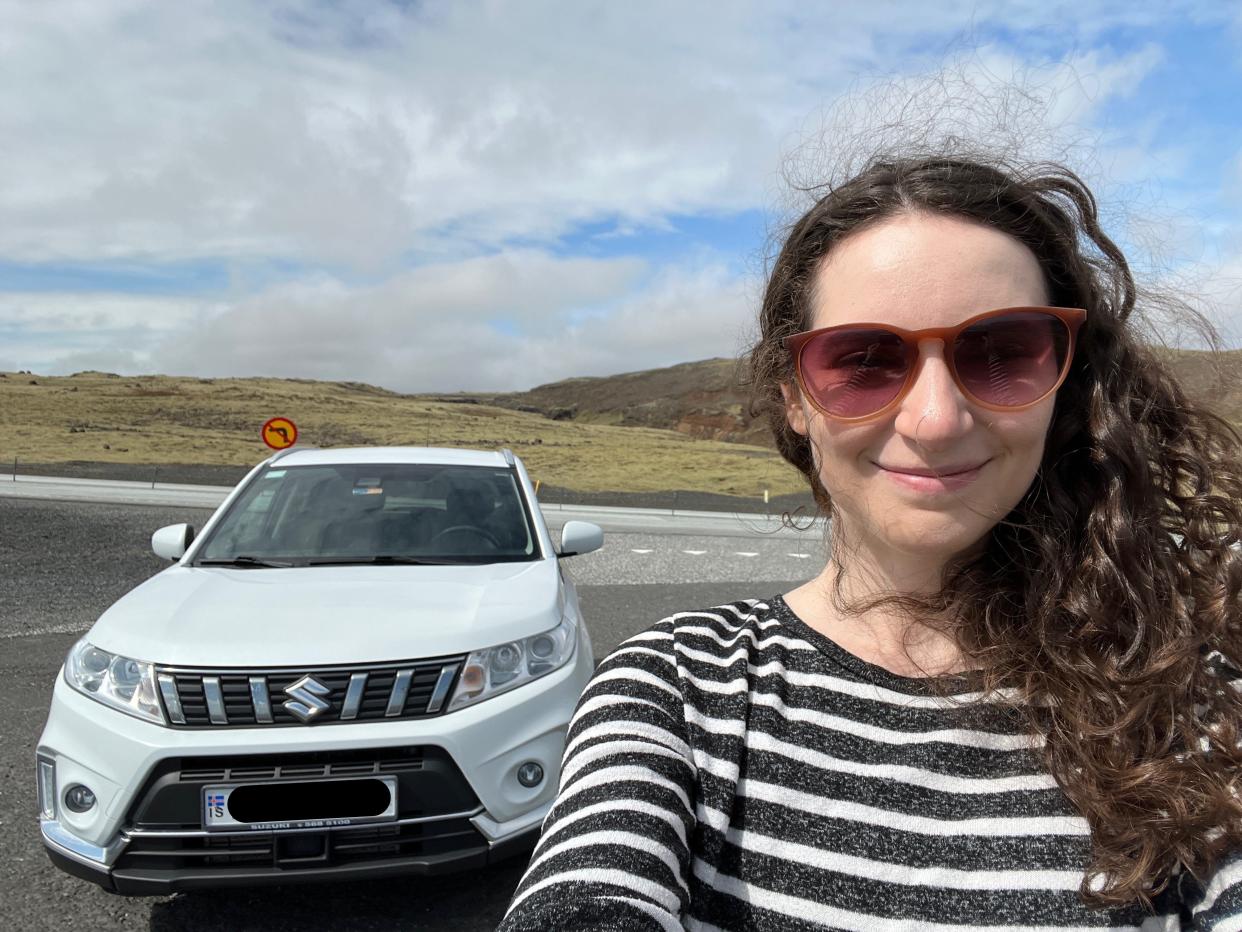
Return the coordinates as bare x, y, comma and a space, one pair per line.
734, 769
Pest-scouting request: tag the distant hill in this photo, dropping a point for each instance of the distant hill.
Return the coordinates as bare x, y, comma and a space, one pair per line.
112, 421
1215, 380
703, 399
639, 432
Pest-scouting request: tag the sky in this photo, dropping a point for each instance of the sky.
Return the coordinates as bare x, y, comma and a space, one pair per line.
488, 196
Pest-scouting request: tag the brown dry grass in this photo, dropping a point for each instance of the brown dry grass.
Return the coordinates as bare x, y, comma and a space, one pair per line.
1213, 379
704, 399
98, 417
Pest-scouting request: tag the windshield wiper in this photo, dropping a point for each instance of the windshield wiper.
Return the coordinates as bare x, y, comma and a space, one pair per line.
384, 559
248, 562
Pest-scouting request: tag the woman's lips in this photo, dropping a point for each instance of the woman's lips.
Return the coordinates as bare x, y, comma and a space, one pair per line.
949, 479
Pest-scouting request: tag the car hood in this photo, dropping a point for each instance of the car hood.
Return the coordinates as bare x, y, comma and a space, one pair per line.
301, 616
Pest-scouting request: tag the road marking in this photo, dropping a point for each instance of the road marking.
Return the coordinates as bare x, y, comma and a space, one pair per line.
38, 632
695, 553
636, 550
743, 553
799, 556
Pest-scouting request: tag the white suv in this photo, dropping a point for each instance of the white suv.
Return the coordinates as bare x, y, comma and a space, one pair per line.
364, 665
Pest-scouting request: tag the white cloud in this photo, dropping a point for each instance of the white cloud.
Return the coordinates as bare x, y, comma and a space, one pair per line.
681, 315
498, 323
990, 99
351, 140
1213, 287
68, 313
63, 332
104, 359
354, 133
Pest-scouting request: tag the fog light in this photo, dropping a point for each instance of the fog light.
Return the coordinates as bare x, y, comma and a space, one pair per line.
79, 798
530, 774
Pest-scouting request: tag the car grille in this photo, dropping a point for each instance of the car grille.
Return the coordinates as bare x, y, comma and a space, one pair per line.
204, 698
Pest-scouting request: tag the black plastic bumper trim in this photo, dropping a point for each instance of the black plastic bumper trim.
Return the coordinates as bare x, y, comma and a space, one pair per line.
163, 883
77, 869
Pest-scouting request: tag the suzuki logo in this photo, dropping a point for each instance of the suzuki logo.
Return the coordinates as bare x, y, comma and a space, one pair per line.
306, 698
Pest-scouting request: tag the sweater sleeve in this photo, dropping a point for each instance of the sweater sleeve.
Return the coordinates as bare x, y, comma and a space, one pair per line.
614, 853
1216, 906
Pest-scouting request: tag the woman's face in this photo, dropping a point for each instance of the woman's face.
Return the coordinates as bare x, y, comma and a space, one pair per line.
914, 271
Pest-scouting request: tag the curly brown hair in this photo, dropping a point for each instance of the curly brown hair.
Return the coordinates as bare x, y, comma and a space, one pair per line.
1107, 602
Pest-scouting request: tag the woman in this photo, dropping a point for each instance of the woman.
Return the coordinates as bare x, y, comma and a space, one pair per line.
1005, 701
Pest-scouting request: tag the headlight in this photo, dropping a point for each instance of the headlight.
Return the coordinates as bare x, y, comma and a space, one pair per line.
498, 669
125, 684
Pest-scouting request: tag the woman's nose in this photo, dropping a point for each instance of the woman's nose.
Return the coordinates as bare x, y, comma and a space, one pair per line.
934, 413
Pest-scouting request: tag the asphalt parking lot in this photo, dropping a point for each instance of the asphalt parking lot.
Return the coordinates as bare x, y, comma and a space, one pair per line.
62, 564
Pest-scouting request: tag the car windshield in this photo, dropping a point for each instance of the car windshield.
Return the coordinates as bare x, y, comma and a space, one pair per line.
342, 514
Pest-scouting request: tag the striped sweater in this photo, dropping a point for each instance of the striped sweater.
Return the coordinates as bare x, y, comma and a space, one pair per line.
735, 769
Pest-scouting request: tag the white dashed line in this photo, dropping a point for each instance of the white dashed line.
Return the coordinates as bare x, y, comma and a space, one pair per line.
695, 553
636, 550
799, 556
743, 553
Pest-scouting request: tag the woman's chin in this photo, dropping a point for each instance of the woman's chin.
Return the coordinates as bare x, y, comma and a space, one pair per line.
933, 541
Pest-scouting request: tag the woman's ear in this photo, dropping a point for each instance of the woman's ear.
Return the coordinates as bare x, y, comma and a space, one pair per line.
795, 414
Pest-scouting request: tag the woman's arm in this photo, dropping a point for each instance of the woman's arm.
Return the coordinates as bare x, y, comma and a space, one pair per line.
614, 854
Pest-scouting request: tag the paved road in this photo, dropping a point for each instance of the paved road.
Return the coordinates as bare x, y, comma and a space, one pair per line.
628, 520
62, 564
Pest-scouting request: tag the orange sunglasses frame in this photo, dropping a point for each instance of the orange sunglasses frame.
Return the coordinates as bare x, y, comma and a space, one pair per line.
1072, 317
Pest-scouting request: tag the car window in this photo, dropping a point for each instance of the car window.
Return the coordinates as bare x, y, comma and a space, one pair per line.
361, 512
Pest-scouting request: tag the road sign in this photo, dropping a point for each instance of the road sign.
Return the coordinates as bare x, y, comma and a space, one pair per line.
279, 433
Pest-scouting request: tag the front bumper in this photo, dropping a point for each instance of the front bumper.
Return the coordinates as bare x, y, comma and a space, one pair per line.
472, 851
463, 805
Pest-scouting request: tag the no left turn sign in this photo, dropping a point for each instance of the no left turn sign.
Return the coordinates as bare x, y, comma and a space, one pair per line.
280, 433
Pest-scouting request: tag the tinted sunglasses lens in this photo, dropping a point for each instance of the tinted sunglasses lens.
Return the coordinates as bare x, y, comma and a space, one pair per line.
853, 373
1012, 360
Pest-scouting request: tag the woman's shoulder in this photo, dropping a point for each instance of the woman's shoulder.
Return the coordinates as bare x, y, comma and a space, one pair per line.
690, 660
706, 654
716, 630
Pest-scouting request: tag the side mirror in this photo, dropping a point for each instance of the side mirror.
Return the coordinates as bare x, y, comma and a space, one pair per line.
580, 537
173, 541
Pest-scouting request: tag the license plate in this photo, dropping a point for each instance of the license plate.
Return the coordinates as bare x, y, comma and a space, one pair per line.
303, 804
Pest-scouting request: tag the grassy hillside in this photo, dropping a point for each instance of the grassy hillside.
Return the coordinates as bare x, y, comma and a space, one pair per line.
651, 431
98, 417
703, 399
1213, 380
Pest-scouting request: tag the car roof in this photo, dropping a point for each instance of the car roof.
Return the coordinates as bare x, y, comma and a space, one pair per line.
440, 456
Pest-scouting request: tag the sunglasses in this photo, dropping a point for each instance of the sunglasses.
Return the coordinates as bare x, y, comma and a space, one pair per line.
1004, 360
